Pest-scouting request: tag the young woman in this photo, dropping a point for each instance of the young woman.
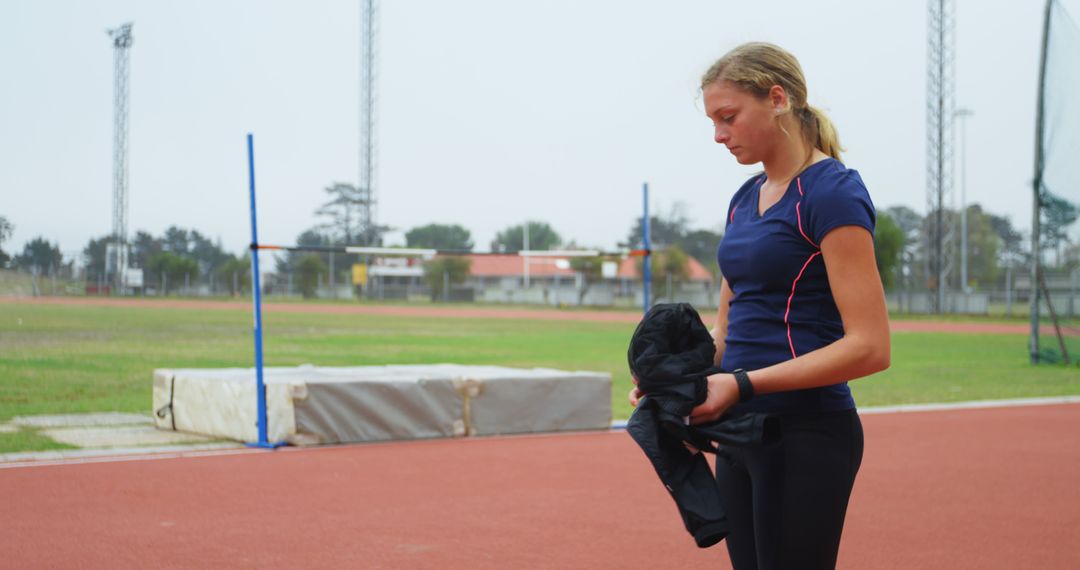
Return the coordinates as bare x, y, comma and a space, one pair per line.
802, 311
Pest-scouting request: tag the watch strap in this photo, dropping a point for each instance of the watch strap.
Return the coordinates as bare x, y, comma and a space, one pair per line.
746, 389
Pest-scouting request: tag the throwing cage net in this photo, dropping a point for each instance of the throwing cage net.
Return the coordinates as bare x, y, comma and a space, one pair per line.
1055, 310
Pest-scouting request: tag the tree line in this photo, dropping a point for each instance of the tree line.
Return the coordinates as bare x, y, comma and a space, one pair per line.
176, 257
179, 255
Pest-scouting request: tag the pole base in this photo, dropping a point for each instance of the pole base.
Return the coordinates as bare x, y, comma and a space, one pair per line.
266, 444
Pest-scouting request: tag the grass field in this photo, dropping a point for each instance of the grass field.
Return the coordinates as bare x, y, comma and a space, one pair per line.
65, 359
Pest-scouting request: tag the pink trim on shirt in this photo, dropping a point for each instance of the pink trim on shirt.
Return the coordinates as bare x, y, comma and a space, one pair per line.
792, 296
798, 215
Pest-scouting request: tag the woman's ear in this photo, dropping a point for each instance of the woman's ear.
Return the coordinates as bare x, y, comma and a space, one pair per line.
778, 99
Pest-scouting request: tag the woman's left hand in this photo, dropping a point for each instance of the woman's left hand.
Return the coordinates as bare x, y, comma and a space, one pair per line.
723, 392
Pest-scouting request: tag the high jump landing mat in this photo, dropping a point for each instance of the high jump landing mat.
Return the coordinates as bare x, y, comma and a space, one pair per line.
313, 404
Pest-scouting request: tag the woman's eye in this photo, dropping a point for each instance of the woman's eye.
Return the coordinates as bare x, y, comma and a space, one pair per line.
728, 119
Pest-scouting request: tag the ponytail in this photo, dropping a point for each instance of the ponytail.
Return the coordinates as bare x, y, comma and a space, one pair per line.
819, 131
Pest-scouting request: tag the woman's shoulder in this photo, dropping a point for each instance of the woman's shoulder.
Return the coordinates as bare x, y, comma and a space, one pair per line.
832, 176
834, 196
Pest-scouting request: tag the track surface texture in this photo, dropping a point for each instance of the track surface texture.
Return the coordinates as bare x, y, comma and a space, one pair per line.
471, 312
987, 488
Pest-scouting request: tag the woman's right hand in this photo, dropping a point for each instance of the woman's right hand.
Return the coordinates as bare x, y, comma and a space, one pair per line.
635, 393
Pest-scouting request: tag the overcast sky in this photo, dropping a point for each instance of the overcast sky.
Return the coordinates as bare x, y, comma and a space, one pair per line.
490, 112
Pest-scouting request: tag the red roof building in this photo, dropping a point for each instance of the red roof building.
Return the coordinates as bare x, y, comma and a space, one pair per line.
512, 265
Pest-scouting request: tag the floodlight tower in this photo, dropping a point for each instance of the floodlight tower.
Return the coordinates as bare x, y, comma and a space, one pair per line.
121, 44
368, 143
939, 135
963, 114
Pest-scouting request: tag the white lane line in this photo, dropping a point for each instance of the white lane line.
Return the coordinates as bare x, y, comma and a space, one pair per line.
117, 455
972, 405
944, 406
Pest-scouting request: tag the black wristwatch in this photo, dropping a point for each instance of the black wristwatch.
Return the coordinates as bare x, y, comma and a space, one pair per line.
746, 389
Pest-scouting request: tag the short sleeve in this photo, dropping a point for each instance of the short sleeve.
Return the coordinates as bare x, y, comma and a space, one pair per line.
838, 199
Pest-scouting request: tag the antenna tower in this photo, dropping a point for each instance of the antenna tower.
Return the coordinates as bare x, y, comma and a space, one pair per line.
939, 148
122, 39
368, 144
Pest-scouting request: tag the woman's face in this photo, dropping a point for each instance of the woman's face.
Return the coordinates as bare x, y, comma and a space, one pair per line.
746, 125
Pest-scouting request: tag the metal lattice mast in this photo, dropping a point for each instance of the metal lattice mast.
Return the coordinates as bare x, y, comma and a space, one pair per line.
368, 142
121, 44
939, 148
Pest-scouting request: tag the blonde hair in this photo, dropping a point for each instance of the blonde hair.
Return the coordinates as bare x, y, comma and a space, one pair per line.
755, 67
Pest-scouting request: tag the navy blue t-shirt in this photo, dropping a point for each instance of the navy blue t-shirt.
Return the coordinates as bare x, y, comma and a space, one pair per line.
782, 305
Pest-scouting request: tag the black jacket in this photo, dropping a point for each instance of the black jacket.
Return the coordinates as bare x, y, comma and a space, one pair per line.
671, 354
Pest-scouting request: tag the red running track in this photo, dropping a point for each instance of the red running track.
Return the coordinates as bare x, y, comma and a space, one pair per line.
986, 488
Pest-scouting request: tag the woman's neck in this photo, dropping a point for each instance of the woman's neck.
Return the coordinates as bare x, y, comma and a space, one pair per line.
788, 160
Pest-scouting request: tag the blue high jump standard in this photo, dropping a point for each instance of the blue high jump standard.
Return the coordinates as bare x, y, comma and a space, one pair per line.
256, 297
646, 286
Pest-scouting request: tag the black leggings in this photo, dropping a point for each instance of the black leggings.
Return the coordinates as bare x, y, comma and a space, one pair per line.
786, 501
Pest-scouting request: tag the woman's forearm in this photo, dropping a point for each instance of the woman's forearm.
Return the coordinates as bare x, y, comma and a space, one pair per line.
849, 358
719, 330
718, 340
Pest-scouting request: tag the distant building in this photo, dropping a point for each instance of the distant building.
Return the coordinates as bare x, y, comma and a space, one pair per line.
509, 271
542, 280
552, 281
